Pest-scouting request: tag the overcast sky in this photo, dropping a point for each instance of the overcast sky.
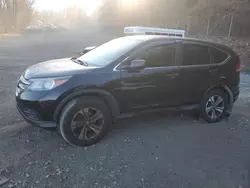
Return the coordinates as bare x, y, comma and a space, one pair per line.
54, 5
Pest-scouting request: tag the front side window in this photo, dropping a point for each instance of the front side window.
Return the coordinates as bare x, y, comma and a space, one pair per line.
160, 56
195, 55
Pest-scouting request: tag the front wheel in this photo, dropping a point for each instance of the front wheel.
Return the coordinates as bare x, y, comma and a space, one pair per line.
214, 105
84, 121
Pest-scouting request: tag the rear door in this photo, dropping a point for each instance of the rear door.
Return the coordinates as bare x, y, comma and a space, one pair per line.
196, 73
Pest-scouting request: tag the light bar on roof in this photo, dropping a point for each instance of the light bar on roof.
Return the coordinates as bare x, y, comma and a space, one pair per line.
135, 30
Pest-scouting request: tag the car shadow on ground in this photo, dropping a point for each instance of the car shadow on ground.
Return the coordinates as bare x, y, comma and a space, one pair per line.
145, 123
153, 119
148, 120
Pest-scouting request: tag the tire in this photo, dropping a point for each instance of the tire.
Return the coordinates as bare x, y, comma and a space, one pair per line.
74, 109
205, 105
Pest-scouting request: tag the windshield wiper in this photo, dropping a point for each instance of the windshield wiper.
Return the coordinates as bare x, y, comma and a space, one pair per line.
82, 62
78, 61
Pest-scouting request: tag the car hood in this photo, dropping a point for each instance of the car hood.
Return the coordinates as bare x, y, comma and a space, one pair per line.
56, 68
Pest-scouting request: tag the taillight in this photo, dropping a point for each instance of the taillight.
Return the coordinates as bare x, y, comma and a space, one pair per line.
238, 65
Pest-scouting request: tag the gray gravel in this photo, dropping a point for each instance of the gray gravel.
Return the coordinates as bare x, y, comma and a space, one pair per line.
150, 151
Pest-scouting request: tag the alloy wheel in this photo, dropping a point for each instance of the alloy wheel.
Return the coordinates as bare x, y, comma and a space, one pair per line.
87, 123
215, 107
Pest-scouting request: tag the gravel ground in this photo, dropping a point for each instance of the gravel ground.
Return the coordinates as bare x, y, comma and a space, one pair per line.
149, 151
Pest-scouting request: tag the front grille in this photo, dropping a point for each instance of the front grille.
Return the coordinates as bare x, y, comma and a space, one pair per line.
23, 83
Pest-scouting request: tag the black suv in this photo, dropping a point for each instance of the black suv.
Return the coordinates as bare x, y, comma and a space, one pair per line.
84, 95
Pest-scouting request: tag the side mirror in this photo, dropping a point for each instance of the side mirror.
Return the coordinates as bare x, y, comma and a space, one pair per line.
137, 64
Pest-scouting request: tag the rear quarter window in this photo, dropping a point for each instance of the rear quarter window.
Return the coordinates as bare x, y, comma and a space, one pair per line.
217, 56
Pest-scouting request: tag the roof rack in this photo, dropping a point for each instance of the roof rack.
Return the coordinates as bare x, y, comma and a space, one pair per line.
136, 30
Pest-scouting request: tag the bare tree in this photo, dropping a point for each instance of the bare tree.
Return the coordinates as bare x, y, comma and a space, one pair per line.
15, 14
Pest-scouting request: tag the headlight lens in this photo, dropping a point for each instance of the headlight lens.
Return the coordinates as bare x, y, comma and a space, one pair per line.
44, 84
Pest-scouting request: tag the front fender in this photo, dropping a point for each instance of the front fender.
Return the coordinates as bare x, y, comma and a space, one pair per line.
104, 95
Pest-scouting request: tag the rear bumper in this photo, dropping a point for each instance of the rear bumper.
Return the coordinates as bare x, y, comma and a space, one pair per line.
236, 97
233, 94
235, 91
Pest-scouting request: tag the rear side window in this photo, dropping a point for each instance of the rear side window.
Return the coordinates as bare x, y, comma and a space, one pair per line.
195, 55
217, 56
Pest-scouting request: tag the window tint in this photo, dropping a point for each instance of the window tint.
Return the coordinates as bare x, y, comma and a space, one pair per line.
159, 56
195, 55
217, 56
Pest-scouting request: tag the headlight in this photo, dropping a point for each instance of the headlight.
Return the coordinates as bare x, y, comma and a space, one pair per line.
44, 84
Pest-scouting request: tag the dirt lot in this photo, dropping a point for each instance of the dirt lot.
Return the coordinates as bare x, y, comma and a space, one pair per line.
151, 151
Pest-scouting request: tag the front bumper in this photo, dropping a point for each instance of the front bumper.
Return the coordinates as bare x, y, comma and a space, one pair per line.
34, 110
36, 107
31, 117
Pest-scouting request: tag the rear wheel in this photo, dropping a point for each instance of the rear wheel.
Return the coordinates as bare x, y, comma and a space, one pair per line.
214, 105
84, 121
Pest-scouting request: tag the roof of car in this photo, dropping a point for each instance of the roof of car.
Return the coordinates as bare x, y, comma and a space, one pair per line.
147, 37
160, 37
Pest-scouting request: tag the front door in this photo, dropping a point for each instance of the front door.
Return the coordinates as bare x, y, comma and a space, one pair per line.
155, 85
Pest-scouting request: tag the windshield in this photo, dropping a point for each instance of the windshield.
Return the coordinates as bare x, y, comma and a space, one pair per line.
109, 52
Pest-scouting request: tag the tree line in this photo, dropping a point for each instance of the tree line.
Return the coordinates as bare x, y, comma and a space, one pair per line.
208, 17
15, 14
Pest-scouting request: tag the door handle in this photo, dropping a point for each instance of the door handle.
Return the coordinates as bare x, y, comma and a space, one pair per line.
213, 70
172, 75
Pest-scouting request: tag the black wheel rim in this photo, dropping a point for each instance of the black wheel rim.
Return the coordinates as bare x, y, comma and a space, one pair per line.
87, 123
215, 107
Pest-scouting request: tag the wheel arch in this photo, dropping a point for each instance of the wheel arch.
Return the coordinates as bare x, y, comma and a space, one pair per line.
105, 96
228, 91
